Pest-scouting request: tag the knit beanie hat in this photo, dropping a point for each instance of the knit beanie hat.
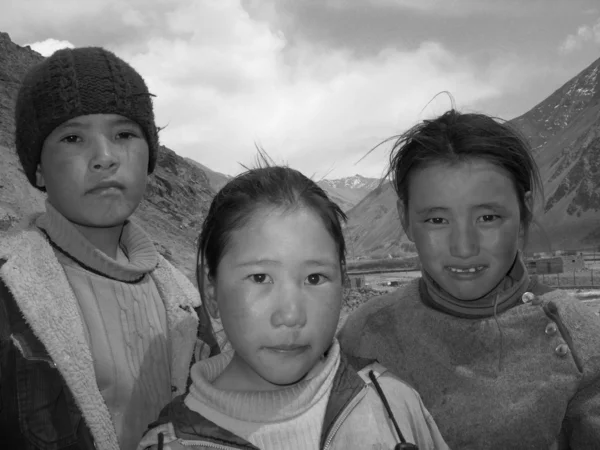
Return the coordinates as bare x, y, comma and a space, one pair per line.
77, 82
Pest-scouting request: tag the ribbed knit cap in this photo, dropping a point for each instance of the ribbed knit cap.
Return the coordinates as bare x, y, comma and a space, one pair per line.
77, 82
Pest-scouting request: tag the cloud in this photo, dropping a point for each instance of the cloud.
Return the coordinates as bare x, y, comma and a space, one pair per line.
92, 22
225, 79
49, 46
584, 35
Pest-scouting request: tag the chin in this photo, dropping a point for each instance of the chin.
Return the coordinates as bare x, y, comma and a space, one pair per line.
285, 380
469, 295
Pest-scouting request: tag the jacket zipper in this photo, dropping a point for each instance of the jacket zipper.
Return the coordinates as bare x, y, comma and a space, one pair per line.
340, 420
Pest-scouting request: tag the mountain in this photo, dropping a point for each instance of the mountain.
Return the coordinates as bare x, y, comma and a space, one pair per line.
564, 130
348, 191
176, 201
216, 179
373, 228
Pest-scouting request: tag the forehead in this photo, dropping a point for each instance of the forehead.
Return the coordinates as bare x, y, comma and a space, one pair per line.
474, 181
285, 233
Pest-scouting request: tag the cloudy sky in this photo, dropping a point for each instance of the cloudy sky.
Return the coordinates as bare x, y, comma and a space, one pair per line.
317, 83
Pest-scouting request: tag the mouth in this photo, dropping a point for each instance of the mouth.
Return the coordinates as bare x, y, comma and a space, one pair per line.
106, 186
466, 272
288, 348
465, 269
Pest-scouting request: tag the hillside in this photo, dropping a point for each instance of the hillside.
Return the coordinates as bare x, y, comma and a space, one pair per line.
216, 179
349, 191
178, 193
564, 130
373, 228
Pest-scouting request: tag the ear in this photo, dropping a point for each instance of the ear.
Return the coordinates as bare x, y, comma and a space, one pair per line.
209, 296
403, 216
39, 177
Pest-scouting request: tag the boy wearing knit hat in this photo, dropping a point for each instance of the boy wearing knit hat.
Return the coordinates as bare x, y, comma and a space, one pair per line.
97, 330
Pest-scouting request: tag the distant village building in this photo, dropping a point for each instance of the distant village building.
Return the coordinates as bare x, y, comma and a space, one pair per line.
564, 262
356, 281
545, 265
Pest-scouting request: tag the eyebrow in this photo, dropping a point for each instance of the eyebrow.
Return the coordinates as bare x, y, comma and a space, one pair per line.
432, 209
440, 209
257, 262
271, 262
490, 205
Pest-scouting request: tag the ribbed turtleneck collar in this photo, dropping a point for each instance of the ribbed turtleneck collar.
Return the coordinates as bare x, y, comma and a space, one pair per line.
261, 406
67, 239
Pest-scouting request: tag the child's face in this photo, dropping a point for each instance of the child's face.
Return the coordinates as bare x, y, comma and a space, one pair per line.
94, 169
465, 222
279, 291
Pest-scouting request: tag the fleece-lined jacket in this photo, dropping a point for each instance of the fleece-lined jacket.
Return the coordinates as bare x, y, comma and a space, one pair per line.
355, 417
49, 344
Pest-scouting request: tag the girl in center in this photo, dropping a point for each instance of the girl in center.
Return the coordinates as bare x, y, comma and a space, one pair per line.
271, 259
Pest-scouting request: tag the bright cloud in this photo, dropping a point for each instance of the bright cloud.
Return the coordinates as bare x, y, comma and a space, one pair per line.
585, 34
225, 80
234, 81
49, 46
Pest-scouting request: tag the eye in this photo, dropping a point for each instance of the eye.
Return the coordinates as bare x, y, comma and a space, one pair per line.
489, 218
315, 279
126, 135
71, 139
437, 221
260, 278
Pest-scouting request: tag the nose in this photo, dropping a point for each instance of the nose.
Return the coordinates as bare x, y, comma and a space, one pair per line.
104, 154
464, 241
290, 310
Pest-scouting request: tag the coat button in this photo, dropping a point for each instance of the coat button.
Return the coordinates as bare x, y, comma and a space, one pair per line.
551, 329
527, 297
562, 350
173, 388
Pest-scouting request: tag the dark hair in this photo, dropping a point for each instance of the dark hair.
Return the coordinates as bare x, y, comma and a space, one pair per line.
455, 137
275, 186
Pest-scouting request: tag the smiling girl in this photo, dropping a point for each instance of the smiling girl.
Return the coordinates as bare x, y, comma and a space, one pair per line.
500, 360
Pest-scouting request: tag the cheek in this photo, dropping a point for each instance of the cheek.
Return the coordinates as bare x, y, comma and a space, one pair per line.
327, 305
502, 236
505, 241
64, 176
427, 242
240, 308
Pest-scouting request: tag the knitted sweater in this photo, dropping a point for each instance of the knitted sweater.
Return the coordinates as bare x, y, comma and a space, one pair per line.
37, 283
354, 417
291, 417
124, 319
527, 379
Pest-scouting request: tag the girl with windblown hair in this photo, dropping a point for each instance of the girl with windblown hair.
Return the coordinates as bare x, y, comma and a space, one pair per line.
501, 361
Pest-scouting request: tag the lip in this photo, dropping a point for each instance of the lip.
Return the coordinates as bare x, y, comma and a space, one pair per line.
288, 348
465, 271
105, 186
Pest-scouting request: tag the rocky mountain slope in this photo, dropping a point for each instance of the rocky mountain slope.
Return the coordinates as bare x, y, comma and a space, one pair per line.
373, 228
564, 130
216, 179
349, 191
177, 197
